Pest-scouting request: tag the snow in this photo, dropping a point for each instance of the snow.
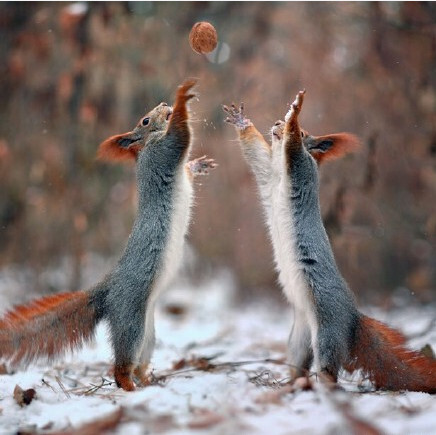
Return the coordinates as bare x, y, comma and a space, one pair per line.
248, 398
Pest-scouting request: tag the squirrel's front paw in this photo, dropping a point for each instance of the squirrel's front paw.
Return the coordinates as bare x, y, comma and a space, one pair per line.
201, 166
296, 106
236, 116
183, 94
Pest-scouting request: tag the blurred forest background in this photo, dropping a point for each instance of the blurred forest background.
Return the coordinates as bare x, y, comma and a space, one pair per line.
72, 74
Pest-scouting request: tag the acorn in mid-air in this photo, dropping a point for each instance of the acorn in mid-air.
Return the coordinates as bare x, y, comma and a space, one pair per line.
203, 37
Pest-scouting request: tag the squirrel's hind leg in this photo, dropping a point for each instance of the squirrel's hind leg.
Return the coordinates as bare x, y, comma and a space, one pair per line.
127, 338
299, 353
331, 354
147, 348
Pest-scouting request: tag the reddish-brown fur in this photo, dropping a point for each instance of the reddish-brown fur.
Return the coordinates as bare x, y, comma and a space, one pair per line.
123, 377
46, 327
51, 325
180, 112
110, 150
343, 143
381, 354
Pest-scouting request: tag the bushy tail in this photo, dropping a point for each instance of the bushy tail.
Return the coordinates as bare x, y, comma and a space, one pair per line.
381, 354
47, 327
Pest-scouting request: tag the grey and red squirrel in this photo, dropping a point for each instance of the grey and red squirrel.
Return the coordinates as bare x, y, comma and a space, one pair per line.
125, 297
328, 333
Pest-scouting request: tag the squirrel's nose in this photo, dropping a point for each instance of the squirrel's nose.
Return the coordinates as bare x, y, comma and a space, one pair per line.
163, 104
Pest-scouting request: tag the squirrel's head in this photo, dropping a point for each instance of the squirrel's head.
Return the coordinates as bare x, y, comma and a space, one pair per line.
126, 147
322, 148
277, 131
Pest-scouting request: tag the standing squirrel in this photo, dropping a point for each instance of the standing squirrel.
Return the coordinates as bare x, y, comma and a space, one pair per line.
328, 329
126, 296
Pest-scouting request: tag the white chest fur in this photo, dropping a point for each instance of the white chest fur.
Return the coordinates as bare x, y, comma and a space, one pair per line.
180, 215
282, 232
181, 212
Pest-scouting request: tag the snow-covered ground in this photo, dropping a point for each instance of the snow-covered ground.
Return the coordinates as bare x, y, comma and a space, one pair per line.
217, 369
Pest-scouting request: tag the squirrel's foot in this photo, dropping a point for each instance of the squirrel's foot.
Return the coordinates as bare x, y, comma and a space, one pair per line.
302, 383
299, 379
297, 372
329, 380
295, 108
236, 116
140, 373
201, 166
123, 377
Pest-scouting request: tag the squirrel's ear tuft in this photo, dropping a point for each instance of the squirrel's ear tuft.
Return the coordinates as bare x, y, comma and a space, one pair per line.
118, 148
331, 146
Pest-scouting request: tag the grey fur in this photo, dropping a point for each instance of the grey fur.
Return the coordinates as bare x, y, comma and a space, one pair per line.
325, 316
126, 296
127, 288
122, 297
335, 307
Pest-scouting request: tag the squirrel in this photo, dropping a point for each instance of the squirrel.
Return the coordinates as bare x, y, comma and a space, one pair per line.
126, 296
328, 331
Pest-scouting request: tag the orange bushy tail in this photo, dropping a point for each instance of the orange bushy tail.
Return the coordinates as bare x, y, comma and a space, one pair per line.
46, 327
381, 354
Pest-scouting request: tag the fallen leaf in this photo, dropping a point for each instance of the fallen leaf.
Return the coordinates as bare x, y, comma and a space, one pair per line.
180, 364
100, 426
23, 397
274, 397
201, 363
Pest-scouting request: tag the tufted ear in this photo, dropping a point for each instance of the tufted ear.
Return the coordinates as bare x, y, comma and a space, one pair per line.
119, 148
331, 146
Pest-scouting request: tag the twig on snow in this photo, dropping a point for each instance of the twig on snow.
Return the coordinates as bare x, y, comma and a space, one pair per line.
61, 385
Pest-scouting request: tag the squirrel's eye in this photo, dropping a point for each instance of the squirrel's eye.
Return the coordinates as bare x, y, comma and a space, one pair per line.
145, 121
302, 134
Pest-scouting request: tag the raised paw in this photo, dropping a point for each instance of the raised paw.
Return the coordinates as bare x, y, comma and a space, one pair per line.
236, 116
183, 94
295, 108
201, 166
